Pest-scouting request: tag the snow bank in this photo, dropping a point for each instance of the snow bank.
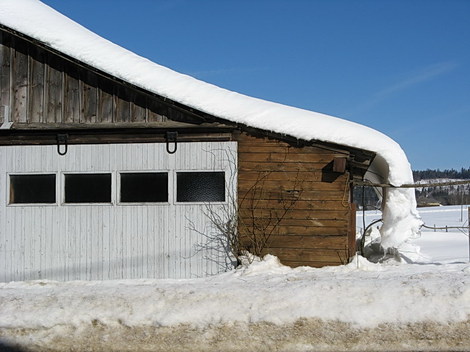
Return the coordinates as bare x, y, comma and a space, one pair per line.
39, 21
361, 294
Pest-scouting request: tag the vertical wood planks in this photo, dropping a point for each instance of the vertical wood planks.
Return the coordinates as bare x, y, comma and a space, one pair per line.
54, 90
37, 86
89, 98
156, 112
5, 73
20, 81
123, 108
71, 97
36, 92
106, 104
138, 111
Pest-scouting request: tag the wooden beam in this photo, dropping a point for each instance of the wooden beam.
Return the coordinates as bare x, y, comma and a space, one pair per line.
102, 136
411, 185
119, 125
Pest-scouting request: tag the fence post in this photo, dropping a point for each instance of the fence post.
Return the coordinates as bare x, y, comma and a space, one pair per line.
468, 221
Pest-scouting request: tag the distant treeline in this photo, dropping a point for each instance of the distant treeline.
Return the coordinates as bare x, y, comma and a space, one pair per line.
432, 174
444, 195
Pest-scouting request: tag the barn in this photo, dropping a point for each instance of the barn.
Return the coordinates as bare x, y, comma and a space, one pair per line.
114, 167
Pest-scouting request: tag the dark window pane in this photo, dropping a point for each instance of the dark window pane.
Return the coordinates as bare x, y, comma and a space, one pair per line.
32, 189
200, 187
88, 188
144, 187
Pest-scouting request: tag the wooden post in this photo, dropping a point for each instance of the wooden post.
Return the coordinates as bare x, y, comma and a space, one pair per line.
468, 221
352, 232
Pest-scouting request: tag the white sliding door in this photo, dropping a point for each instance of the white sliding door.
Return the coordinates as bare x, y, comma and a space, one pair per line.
113, 211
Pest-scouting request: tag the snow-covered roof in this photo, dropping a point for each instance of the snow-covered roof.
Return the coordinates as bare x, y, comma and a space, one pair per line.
39, 21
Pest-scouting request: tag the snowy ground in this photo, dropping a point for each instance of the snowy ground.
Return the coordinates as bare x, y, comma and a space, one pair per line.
263, 306
437, 246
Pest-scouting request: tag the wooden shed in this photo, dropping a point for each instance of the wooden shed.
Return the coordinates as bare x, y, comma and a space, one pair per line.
104, 179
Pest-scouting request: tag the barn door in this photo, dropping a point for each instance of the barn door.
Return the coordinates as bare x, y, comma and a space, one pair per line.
113, 211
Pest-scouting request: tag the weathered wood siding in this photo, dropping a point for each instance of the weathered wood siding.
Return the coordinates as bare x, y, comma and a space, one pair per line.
39, 87
292, 194
287, 192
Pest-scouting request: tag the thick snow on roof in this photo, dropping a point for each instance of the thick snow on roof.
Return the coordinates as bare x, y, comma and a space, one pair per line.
39, 21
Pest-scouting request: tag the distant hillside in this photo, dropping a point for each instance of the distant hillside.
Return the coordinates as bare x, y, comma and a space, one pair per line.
444, 195
463, 174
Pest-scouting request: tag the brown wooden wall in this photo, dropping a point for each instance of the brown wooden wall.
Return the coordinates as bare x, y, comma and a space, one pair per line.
38, 86
292, 195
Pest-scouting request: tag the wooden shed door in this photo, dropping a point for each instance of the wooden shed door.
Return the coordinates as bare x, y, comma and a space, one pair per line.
113, 211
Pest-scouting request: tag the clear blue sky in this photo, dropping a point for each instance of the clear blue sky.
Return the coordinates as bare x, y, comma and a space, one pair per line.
399, 66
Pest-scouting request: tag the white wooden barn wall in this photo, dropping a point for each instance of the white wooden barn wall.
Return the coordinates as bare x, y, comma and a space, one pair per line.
110, 241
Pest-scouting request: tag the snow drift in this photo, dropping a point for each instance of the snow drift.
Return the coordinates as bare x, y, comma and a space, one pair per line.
361, 293
263, 306
41, 22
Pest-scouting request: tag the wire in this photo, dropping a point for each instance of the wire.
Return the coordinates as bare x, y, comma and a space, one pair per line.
363, 237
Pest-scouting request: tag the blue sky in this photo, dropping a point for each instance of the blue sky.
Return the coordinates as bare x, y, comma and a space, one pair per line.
399, 66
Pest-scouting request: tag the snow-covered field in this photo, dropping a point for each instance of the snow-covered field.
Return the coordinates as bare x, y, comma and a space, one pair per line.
263, 306
436, 246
